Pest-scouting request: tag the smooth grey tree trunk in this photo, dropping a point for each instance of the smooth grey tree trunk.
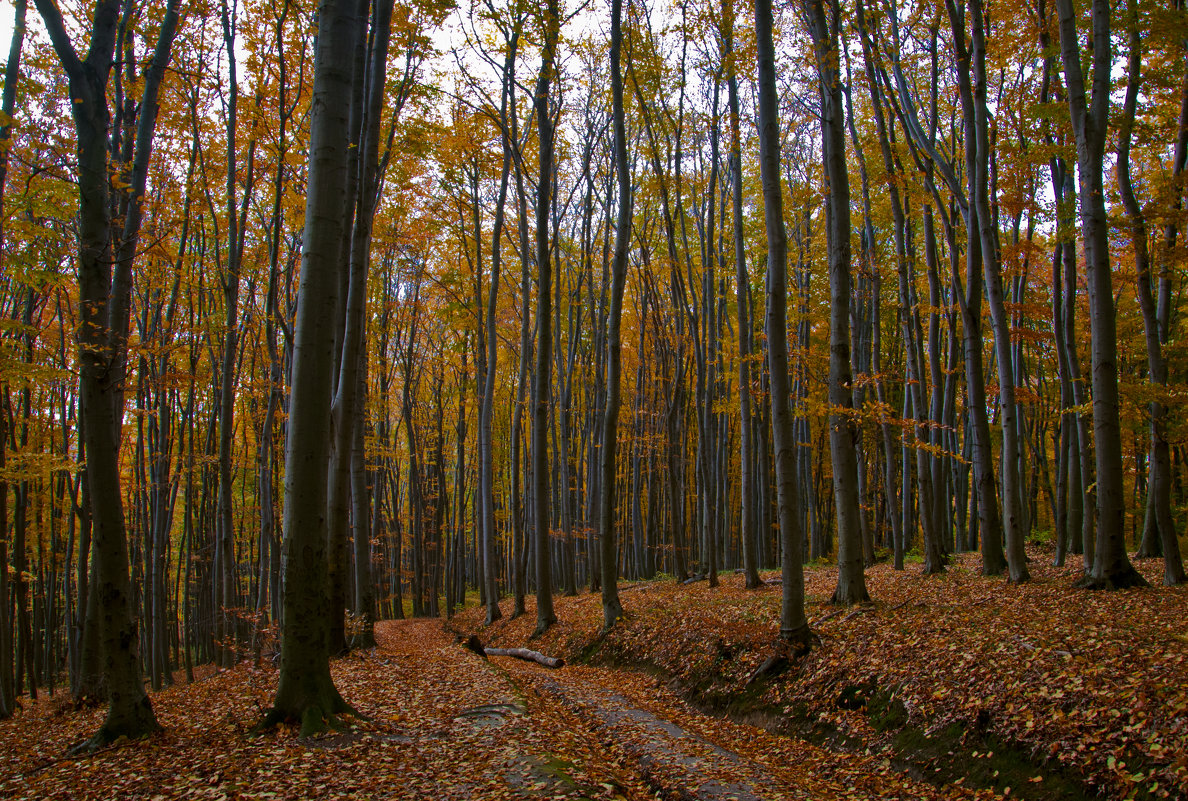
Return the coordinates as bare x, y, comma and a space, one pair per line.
794, 627
305, 691
347, 408
1159, 482
487, 401
104, 297
910, 328
1012, 500
224, 583
349, 305
612, 609
545, 616
1090, 117
843, 426
747, 527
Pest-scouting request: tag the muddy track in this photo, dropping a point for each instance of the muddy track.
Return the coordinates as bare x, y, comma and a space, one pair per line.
678, 752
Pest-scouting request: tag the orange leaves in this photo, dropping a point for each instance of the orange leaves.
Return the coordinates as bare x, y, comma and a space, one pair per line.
1073, 677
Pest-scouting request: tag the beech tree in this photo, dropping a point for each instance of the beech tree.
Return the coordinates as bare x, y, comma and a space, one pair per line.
875, 389
1089, 108
1159, 479
305, 691
843, 428
7, 101
612, 609
794, 627
104, 294
541, 387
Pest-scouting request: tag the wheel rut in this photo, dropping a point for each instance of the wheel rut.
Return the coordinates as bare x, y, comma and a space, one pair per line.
672, 761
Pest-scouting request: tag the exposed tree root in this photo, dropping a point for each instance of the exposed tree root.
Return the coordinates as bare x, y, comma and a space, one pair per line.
788, 648
1117, 579
316, 708
849, 596
137, 725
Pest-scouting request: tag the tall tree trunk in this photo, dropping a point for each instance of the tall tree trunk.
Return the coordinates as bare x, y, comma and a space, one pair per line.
843, 427
747, 528
11, 77
612, 610
794, 627
1012, 500
487, 402
305, 691
545, 616
1111, 565
1159, 484
225, 584
347, 406
103, 303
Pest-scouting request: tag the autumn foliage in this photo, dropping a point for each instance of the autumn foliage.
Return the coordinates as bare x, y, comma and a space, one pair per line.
497, 304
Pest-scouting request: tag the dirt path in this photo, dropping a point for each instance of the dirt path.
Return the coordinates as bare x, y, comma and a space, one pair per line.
441, 723
651, 744
680, 753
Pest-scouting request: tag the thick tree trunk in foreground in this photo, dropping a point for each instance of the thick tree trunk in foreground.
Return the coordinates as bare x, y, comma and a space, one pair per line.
843, 433
1111, 565
612, 609
794, 627
103, 303
305, 692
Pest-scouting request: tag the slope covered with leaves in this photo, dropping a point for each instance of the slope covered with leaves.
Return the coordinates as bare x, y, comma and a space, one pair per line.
1051, 691
442, 723
943, 686
439, 726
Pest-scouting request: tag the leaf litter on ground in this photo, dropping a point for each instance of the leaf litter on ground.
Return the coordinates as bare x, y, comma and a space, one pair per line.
1094, 683
1092, 686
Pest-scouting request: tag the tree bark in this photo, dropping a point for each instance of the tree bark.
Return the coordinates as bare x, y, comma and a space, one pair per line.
103, 303
1159, 483
794, 627
1111, 565
545, 616
306, 692
1012, 500
747, 527
487, 402
843, 425
612, 609
11, 76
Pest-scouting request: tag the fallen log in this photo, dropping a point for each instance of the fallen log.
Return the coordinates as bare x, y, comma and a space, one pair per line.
528, 655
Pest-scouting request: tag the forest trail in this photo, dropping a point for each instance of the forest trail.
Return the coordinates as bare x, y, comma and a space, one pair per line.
678, 752
441, 724
648, 743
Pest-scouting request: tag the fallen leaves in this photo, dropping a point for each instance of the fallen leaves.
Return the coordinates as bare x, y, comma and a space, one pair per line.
1091, 685
1072, 678
439, 724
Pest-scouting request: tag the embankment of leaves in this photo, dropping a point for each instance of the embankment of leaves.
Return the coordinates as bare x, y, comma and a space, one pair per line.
1051, 691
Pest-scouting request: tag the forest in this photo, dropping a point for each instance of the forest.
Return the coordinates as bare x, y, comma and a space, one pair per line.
318, 316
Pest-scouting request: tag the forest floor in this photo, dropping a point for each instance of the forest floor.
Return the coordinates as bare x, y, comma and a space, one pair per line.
946, 687
441, 723
1037, 691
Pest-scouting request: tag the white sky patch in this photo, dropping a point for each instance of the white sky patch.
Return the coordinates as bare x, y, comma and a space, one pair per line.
7, 12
